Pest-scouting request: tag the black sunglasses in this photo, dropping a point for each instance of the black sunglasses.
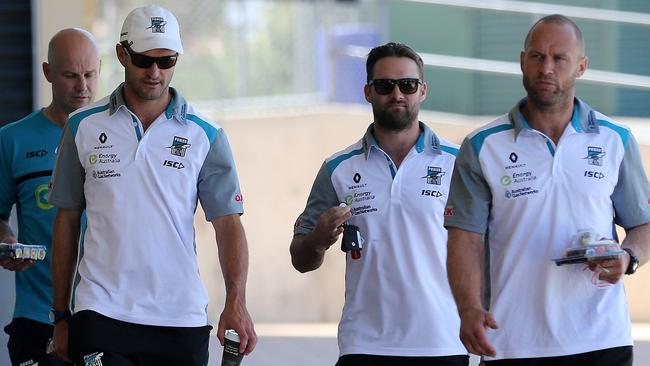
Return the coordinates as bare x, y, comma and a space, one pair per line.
145, 62
386, 86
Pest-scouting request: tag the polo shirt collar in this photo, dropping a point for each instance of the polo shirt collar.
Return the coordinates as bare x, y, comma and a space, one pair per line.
177, 106
582, 121
427, 140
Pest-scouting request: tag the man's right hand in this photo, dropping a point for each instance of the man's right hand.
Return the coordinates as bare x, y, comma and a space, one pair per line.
473, 324
330, 226
60, 339
17, 265
13, 264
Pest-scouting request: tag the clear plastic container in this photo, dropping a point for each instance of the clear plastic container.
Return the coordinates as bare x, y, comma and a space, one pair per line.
586, 248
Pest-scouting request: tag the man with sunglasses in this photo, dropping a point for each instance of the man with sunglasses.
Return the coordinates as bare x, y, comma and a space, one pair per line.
534, 179
27, 155
386, 194
138, 161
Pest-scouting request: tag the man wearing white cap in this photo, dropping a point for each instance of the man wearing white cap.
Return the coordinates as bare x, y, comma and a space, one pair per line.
138, 161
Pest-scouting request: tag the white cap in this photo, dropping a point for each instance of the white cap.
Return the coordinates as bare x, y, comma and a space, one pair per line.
232, 335
150, 27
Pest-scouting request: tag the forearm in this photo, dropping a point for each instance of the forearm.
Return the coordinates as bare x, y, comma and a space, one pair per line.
65, 244
638, 239
306, 253
233, 255
465, 268
6, 235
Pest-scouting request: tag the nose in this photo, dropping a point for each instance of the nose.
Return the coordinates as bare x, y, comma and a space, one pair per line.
396, 93
153, 71
82, 83
548, 66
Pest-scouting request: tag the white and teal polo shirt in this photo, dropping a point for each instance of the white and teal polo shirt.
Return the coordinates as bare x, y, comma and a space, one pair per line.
27, 154
140, 190
530, 197
397, 297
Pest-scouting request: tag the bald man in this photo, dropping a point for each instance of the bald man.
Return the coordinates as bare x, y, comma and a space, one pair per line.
27, 154
534, 179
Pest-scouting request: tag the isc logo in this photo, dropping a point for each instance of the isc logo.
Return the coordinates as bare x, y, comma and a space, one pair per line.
431, 193
173, 164
36, 154
595, 175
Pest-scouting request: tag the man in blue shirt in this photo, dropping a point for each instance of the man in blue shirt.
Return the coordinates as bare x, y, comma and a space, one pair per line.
27, 154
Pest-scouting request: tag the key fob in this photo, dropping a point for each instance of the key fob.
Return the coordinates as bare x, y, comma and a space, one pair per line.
352, 240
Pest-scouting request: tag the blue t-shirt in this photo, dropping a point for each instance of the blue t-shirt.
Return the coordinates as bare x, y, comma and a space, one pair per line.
27, 155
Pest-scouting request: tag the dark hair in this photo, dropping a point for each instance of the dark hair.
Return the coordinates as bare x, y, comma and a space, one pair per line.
392, 49
557, 19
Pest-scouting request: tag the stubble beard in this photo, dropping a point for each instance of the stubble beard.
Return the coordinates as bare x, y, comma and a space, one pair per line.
547, 100
397, 120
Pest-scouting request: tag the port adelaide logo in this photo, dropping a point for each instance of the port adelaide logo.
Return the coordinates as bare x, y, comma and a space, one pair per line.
595, 155
434, 175
157, 25
179, 146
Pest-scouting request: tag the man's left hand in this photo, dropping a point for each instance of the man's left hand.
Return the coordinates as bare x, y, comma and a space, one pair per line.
611, 270
235, 316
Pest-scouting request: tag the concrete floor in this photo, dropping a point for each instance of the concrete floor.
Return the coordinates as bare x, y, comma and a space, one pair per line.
315, 345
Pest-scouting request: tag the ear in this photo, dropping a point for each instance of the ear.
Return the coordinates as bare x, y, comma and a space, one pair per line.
47, 71
582, 66
368, 93
423, 91
522, 54
121, 54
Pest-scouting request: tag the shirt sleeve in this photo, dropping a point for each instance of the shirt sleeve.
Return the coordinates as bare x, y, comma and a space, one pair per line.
67, 185
8, 189
631, 197
470, 197
218, 185
322, 197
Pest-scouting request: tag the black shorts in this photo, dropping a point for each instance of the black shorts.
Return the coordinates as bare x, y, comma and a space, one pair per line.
27, 342
95, 339
374, 360
619, 356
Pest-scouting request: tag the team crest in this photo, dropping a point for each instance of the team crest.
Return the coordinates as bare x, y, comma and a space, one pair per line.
434, 175
94, 359
157, 25
595, 155
179, 146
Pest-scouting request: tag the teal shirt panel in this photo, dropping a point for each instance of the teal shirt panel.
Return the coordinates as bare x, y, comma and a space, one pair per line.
27, 155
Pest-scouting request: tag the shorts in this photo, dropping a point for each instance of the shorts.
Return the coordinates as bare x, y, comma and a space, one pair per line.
27, 342
374, 360
619, 356
95, 339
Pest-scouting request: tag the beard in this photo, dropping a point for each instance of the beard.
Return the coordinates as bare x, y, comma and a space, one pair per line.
142, 90
395, 119
547, 98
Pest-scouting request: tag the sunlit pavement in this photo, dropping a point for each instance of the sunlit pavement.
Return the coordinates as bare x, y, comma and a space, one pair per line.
315, 345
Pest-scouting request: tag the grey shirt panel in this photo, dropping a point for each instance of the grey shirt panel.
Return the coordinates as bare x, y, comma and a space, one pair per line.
470, 198
321, 198
69, 175
631, 196
218, 185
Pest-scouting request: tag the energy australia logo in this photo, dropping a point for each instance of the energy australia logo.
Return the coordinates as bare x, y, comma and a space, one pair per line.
434, 175
157, 25
42, 194
595, 155
179, 146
